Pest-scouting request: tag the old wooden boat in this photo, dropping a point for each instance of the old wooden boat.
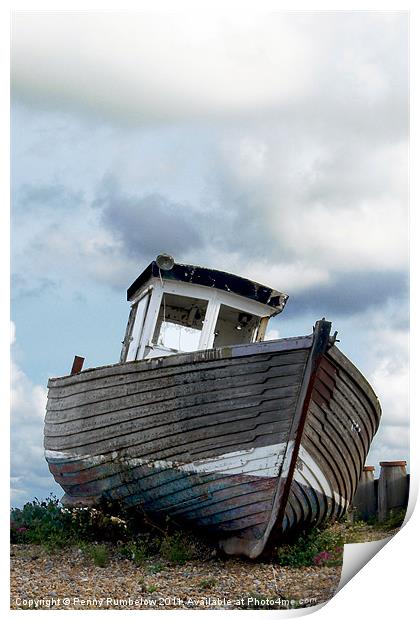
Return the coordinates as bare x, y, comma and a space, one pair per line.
205, 421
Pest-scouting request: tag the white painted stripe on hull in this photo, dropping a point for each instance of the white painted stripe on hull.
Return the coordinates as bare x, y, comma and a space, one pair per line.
308, 473
262, 462
239, 462
56, 455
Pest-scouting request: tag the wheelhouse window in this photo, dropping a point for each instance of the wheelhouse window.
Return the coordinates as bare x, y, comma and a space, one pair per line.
234, 327
180, 323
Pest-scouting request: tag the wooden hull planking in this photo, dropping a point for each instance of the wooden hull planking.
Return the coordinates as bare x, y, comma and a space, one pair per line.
226, 440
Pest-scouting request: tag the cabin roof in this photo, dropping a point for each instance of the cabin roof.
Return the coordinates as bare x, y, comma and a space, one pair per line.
214, 279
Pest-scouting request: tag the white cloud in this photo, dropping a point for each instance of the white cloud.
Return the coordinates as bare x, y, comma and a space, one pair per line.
272, 334
296, 276
391, 380
387, 356
129, 66
29, 470
330, 201
366, 236
152, 66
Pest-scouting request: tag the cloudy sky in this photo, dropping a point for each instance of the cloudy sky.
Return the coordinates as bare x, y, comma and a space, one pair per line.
272, 145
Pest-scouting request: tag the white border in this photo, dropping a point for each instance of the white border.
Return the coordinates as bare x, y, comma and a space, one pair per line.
387, 586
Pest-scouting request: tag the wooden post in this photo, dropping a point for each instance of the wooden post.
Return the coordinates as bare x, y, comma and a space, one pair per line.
392, 488
262, 329
365, 501
77, 365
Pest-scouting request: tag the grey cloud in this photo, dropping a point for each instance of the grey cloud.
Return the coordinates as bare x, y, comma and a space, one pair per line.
350, 294
55, 196
24, 287
149, 224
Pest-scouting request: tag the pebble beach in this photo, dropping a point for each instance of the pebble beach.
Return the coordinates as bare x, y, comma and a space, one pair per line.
66, 579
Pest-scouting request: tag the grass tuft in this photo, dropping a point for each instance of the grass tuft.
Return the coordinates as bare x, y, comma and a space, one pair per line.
97, 553
174, 549
318, 547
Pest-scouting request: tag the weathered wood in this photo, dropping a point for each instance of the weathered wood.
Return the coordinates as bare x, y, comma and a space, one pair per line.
321, 335
154, 440
365, 389
246, 395
245, 441
77, 365
190, 417
262, 328
157, 392
365, 501
183, 359
392, 488
343, 417
190, 373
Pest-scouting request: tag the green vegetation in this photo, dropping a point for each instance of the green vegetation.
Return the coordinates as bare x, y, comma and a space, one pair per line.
318, 547
205, 584
394, 520
357, 531
139, 540
98, 554
48, 524
323, 546
156, 568
140, 549
174, 549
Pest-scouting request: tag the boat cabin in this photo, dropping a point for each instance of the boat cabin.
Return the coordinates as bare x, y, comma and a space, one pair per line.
178, 308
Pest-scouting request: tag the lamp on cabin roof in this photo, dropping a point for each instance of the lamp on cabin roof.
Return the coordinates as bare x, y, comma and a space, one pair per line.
165, 262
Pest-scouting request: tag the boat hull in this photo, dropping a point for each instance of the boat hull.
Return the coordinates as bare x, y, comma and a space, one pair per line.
342, 419
214, 439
